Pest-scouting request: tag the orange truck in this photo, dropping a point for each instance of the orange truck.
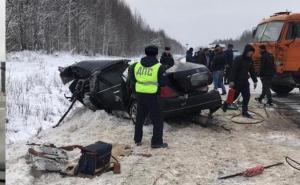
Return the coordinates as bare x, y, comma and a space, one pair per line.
281, 35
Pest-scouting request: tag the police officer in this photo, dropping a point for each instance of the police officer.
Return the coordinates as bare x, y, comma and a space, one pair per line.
267, 72
147, 76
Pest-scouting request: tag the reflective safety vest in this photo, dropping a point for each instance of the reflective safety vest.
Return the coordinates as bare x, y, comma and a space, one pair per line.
146, 78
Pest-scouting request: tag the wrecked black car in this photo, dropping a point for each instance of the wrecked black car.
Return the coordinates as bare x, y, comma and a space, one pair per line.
104, 85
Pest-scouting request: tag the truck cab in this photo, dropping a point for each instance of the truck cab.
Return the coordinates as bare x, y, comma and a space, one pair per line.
280, 33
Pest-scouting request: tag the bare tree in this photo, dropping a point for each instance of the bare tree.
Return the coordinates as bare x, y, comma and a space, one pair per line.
90, 27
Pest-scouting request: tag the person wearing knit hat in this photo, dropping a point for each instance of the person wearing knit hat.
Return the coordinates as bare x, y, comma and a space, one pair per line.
146, 77
166, 58
238, 79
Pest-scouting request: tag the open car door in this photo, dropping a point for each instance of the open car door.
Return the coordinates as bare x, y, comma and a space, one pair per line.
101, 82
107, 87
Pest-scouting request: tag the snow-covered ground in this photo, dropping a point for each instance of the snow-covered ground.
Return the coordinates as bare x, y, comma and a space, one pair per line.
196, 155
35, 92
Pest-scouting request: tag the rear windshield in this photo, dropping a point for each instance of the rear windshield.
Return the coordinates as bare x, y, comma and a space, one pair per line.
268, 31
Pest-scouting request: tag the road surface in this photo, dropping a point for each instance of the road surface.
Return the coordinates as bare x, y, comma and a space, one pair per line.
292, 101
289, 106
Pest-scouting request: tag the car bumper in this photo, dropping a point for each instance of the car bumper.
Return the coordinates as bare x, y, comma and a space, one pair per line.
189, 105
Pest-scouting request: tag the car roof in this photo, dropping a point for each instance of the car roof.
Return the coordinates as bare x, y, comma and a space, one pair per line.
95, 65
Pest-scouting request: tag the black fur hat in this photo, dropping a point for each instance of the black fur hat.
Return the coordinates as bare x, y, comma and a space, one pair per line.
151, 51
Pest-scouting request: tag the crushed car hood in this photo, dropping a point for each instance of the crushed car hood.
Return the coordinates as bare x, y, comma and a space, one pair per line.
85, 69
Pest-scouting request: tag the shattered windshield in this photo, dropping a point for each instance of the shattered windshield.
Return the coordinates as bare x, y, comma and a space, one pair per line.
268, 31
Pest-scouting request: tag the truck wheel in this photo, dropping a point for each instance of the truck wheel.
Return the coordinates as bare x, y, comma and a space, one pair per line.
133, 113
281, 89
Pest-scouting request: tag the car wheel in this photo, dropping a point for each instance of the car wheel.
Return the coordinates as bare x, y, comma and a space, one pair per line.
133, 113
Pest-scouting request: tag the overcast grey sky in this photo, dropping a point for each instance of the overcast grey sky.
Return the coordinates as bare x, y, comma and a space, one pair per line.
199, 22
2, 30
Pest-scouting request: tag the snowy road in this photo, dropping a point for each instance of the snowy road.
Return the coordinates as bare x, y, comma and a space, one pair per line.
292, 101
196, 155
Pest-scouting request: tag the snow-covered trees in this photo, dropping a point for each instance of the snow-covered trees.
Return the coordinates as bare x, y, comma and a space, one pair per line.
239, 43
82, 26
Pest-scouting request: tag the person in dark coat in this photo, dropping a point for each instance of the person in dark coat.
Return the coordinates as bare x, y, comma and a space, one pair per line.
211, 55
166, 58
238, 79
197, 57
189, 55
141, 77
202, 57
206, 58
267, 71
228, 54
217, 67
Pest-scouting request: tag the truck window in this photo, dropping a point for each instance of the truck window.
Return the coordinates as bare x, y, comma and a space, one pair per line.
272, 31
289, 34
259, 31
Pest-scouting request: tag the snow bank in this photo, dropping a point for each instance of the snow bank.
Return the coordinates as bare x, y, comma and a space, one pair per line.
35, 93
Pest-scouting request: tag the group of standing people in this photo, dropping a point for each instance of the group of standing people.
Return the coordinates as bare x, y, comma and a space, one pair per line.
243, 67
236, 72
148, 75
217, 60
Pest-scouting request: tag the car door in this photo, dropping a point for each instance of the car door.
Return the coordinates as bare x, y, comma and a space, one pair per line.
291, 48
110, 83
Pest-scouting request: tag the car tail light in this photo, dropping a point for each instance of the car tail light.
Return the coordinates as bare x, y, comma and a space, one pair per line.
167, 92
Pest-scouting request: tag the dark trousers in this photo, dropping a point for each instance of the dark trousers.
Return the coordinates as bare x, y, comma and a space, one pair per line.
245, 91
149, 105
266, 88
226, 74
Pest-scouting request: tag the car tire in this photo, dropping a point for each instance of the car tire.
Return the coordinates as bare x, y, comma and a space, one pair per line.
133, 112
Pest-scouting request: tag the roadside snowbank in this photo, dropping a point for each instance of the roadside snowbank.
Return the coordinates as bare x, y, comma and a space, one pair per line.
35, 93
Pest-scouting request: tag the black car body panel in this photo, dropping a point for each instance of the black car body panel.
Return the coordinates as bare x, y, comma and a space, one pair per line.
106, 87
210, 100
